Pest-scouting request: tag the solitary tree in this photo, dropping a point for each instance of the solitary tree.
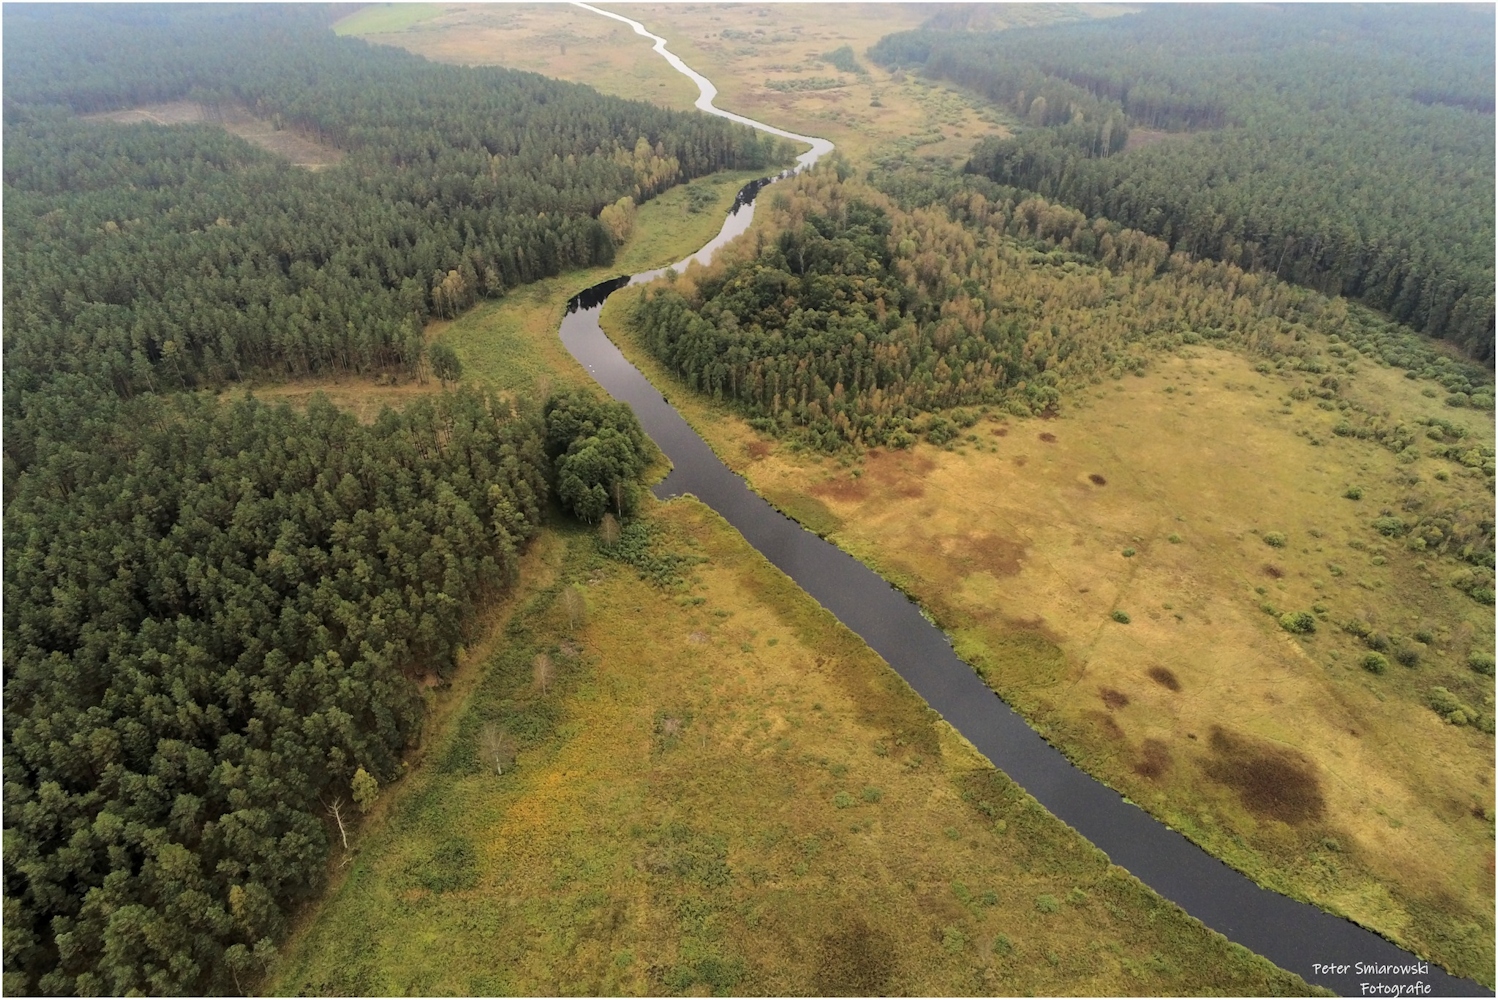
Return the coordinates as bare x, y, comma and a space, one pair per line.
365, 789
544, 671
445, 363
498, 747
608, 531
575, 608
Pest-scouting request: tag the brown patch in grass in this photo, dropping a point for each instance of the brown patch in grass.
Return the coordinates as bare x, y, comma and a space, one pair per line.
1105, 722
1000, 556
855, 960
999, 432
1154, 759
757, 449
1114, 699
1271, 570
1047, 437
1165, 677
1272, 781
1020, 460
1097, 480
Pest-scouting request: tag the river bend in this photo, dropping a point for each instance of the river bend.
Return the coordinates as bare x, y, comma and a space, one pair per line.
1296, 936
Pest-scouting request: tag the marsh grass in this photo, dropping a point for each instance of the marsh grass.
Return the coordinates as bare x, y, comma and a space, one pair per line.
1221, 468
624, 855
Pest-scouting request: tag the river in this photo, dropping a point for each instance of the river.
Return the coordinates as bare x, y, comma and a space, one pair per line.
1324, 949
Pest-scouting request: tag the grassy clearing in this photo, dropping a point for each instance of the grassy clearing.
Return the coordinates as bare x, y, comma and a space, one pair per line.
300, 150
557, 40
725, 791
1160, 498
380, 18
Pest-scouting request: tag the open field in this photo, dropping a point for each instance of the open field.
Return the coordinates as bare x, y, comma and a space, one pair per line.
557, 40
1158, 497
285, 143
725, 791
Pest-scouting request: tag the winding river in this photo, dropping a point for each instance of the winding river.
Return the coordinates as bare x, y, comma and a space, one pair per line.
1324, 949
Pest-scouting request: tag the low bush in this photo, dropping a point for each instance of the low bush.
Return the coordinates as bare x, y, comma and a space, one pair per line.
1481, 663
1375, 663
1298, 622
1275, 539
1122, 617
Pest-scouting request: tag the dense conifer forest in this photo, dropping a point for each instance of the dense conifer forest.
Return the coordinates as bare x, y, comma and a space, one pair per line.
1348, 149
218, 615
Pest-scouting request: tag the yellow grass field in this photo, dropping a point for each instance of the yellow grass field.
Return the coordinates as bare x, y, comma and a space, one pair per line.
724, 792
554, 39
1277, 752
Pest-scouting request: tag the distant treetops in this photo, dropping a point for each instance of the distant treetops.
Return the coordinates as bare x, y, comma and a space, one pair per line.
1346, 149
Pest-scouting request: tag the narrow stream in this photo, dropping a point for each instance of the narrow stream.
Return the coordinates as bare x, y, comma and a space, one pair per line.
1322, 948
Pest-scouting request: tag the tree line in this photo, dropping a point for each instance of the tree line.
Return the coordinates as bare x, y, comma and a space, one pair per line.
1346, 149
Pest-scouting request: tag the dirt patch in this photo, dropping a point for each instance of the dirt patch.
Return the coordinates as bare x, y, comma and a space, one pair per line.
999, 432
1047, 437
1105, 722
757, 449
1020, 460
1272, 781
854, 961
1154, 759
1000, 556
697, 638
1165, 677
1273, 571
1114, 699
1097, 480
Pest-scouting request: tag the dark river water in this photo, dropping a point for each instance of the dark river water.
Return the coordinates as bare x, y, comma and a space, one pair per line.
1324, 949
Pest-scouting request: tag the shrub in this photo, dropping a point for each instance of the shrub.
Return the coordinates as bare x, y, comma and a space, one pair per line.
953, 939
872, 794
1375, 663
940, 430
1481, 663
1390, 526
1003, 945
842, 800
1376, 641
1408, 656
1298, 622
1128, 553
1121, 617
1047, 904
1174, 539
1274, 539
1353, 493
